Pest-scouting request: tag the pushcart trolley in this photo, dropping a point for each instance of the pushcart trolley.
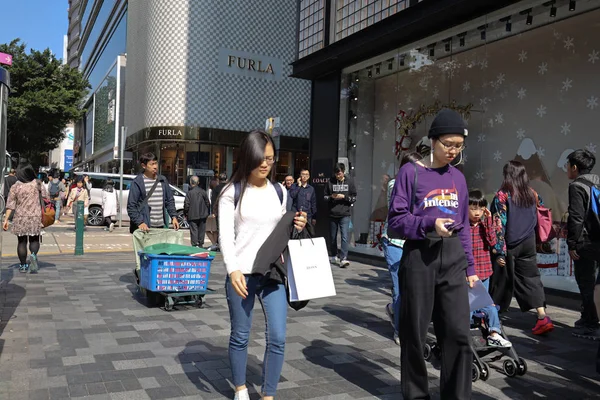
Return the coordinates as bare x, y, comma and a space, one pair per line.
179, 279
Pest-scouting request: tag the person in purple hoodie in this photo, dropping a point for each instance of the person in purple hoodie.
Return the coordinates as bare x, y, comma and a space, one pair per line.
429, 207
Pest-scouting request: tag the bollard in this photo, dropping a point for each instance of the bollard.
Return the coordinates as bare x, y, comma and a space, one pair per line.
79, 228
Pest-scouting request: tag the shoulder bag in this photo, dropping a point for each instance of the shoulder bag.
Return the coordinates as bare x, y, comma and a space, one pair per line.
132, 226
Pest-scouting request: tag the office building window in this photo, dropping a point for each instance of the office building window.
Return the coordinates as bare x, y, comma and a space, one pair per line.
311, 27
354, 15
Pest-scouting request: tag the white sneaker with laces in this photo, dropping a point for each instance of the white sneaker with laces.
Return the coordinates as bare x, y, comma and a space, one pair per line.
111, 227
498, 341
396, 339
242, 395
344, 263
334, 260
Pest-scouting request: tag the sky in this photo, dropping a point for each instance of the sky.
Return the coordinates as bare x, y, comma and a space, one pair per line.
39, 23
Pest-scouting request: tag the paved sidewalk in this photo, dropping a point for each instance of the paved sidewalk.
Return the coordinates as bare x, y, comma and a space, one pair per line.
78, 329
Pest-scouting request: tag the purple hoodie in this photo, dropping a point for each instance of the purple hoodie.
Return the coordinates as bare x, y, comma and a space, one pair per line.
441, 193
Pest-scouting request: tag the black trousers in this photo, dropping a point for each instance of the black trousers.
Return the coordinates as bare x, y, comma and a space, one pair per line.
433, 286
585, 275
197, 231
520, 277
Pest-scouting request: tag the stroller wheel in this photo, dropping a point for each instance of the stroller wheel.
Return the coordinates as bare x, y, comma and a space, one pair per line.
475, 372
510, 368
427, 352
485, 371
436, 351
522, 370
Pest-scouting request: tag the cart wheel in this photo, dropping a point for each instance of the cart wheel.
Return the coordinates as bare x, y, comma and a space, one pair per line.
169, 304
522, 366
199, 302
475, 372
485, 371
510, 368
436, 351
427, 352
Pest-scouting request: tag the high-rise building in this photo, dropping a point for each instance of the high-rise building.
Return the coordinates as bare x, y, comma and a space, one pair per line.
73, 34
188, 79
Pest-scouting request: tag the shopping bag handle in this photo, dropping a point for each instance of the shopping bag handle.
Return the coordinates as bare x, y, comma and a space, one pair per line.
296, 235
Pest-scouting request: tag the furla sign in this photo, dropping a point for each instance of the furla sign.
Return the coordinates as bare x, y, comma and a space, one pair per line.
249, 65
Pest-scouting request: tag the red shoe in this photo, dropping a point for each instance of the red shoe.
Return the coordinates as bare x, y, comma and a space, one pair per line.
543, 326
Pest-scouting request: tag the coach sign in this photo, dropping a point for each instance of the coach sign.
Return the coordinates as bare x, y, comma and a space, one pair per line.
250, 65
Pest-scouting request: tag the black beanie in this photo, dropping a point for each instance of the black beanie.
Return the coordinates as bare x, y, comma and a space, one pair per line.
447, 122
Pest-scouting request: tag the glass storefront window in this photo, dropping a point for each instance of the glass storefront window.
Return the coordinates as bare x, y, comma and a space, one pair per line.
97, 28
105, 112
529, 92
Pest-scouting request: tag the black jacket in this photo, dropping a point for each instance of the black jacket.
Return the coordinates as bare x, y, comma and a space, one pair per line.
342, 207
196, 205
305, 198
270, 258
583, 226
9, 181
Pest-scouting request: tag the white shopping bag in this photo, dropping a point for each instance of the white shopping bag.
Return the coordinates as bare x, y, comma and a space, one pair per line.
309, 270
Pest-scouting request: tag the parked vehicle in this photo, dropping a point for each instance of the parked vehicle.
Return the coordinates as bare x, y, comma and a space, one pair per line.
98, 180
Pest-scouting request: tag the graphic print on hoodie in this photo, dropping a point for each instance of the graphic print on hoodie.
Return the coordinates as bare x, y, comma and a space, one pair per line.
342, 207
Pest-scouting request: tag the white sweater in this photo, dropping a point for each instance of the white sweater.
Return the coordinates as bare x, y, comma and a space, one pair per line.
244, 230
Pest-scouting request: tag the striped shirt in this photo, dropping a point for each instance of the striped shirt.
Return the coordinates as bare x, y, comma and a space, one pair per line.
156, 203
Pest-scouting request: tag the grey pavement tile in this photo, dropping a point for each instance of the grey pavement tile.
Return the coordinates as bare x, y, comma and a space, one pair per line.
114, 387
148, 382
131, 384
95, 388
108, 376
166, 392
130, 395
58, 392
39, 394
78, 390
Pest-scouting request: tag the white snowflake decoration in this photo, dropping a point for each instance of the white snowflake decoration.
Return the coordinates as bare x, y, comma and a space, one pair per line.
483, 64
484, 101
504, 94
567, 84
409, 99
386, 105
497, 156
500, 79
569, 42
594, 56
522, 56
541, 111
556, 34
479, 175
541, 152
436, 93
466, 86
384, 135
481, 137
491, 122
591, 147
565, 129
522, 93
592, 102
499, 118
383, 164
543, 68
521, 133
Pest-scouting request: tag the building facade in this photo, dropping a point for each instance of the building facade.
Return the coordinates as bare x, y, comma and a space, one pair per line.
524, 74
188, 79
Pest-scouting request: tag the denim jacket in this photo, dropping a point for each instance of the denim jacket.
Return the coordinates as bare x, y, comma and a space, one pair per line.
137, 194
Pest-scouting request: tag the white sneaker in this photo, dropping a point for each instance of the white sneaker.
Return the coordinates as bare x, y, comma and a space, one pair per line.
396, 339
334, 260
344, 263
111, 227
498, 341
242, 395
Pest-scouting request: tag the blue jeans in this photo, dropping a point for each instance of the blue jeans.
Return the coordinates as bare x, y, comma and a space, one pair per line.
491, 312
393, 254
273, 300
57, 205
344, 225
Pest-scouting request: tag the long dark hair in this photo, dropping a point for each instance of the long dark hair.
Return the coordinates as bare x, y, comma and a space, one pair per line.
109, 186
250, 156
516, 183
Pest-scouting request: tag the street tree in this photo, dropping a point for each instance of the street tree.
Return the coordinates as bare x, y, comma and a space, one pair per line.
45, 96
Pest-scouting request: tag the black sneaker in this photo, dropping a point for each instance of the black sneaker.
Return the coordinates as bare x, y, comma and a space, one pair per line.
579, 323
590, 333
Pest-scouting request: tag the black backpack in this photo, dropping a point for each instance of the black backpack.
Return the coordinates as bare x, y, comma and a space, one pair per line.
54, 189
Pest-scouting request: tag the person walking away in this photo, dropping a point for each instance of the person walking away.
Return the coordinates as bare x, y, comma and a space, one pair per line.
56, 188
150, 200
78, 193
195, 209
514, 210
304, 197
483, 237
340, 193
24, 201
429, 207
583, 237
245, 225
110, 205
215, 210
9, 181
392, 250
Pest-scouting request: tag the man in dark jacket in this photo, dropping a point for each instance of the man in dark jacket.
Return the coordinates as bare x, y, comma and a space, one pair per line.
304, 197
145, 211
214, 198
583, 238
195, 209
340, 192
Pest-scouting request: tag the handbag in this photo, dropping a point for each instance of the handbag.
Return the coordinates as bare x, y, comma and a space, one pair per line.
132, 226
48, 210
309, 273
544, 230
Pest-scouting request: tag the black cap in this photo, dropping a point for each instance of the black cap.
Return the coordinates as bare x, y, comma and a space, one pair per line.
447, 122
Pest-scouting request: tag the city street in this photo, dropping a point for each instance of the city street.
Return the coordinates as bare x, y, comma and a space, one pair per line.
79, 329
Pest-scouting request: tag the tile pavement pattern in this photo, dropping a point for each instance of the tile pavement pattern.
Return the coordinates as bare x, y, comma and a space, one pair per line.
78, 330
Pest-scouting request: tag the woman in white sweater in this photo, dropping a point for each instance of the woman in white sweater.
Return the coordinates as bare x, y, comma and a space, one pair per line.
244, 225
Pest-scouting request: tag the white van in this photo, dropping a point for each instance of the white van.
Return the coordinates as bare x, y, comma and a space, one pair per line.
98, 180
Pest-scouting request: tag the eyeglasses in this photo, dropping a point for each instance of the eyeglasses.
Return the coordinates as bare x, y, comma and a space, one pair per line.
457, 147
269, 160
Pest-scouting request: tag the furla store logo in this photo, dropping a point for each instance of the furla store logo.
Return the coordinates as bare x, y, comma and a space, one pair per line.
251, 65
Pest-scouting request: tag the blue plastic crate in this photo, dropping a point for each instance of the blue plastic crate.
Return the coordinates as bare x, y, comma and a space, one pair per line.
163, 273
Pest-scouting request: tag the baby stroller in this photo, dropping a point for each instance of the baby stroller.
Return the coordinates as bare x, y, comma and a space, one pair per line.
513, 365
